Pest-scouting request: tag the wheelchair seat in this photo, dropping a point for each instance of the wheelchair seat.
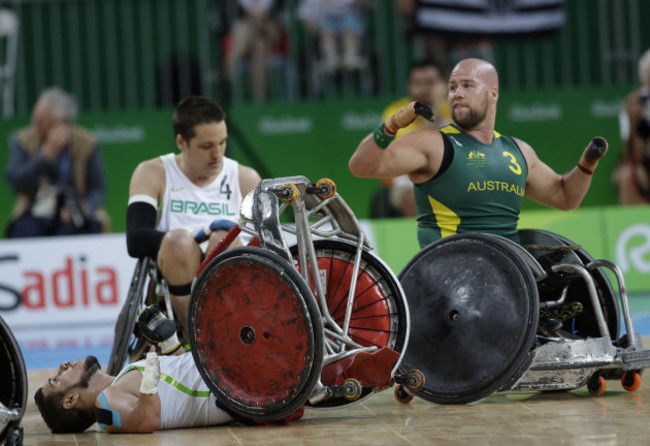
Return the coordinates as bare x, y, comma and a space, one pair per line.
551, 249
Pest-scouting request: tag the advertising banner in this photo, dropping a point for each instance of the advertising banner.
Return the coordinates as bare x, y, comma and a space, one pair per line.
77, 283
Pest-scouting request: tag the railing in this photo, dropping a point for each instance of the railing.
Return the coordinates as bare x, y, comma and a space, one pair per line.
144, 54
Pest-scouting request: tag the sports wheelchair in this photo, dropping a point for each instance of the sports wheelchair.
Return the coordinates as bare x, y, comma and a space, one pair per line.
320, 322
147, 287
13, 388
475, 302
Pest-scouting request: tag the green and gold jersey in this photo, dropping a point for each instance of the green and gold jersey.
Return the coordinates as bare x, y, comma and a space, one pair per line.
480, 191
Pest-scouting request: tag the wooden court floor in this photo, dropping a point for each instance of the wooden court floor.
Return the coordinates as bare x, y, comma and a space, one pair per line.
566, 418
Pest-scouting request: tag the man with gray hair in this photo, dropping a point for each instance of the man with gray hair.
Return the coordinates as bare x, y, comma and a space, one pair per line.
56, 171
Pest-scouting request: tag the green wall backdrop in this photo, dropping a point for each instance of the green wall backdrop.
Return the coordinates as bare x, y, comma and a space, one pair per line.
316, 139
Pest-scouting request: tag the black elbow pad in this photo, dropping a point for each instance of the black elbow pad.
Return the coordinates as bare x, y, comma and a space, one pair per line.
142, 237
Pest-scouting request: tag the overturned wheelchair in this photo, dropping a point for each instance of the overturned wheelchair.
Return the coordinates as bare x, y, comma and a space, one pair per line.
13, 388
475, 302
320, 323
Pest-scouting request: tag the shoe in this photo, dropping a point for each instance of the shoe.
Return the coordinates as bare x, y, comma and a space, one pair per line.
552, 318
547, 322
158, 329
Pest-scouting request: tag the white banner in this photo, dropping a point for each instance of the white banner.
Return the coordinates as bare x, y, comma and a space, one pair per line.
54, 287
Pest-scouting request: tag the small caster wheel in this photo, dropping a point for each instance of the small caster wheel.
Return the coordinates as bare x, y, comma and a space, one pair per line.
401, 395
414, 380
596, 385
288, 194
631, 381
352, 389
326, 188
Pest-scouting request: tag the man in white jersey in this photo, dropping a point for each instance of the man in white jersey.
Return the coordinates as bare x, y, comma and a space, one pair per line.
155, 393
174, 196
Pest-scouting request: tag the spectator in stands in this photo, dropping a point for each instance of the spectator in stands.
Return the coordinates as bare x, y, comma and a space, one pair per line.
340, 24
632, 176
427, 84
56, 170
253, 37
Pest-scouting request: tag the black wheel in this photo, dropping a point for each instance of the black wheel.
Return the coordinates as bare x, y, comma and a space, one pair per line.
401, 395
256, 333
597, 385
380, 315
583, 325
474, 309
125, 342
13, 380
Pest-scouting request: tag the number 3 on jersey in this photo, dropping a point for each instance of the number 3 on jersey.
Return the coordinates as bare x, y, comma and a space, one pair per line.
516, 168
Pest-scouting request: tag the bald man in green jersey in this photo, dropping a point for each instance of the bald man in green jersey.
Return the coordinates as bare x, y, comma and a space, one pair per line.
467, 176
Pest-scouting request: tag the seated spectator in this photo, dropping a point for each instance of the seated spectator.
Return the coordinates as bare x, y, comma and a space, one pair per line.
253, 37
56, 171
341, 26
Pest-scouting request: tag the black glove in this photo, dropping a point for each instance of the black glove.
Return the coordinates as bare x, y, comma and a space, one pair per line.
596, 149
424, 110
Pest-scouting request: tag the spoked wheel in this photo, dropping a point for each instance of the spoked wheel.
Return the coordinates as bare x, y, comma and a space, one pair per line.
379, 316
585, 324
13, 383
256, 333
125, 343
474, 308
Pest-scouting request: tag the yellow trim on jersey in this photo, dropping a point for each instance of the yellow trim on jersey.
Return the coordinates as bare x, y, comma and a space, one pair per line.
446, 219
449, 129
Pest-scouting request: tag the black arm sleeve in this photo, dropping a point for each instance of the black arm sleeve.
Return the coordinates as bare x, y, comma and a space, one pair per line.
142, 239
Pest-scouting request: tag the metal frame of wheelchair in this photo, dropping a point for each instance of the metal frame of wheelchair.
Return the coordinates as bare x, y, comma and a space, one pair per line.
145, 287
486, 307
271, 332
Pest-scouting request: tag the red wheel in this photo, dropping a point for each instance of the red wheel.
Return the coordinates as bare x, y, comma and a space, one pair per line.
402, 395
631, 381
379, 312
379, 315
256, 333
597, 385
326, 188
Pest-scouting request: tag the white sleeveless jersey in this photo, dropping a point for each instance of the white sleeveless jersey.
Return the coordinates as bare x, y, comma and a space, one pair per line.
185, 205
185, 400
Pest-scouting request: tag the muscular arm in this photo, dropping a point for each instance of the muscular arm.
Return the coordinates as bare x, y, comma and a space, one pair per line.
417, 154
138, 412
564, 192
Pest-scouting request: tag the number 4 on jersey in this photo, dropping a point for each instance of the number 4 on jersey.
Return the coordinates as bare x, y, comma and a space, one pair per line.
225, 188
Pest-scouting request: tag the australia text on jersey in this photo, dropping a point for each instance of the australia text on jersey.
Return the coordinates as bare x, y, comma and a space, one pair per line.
481, 186
196, 208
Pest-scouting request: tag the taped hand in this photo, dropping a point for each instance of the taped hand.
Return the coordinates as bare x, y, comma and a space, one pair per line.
150, 375
406, 115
